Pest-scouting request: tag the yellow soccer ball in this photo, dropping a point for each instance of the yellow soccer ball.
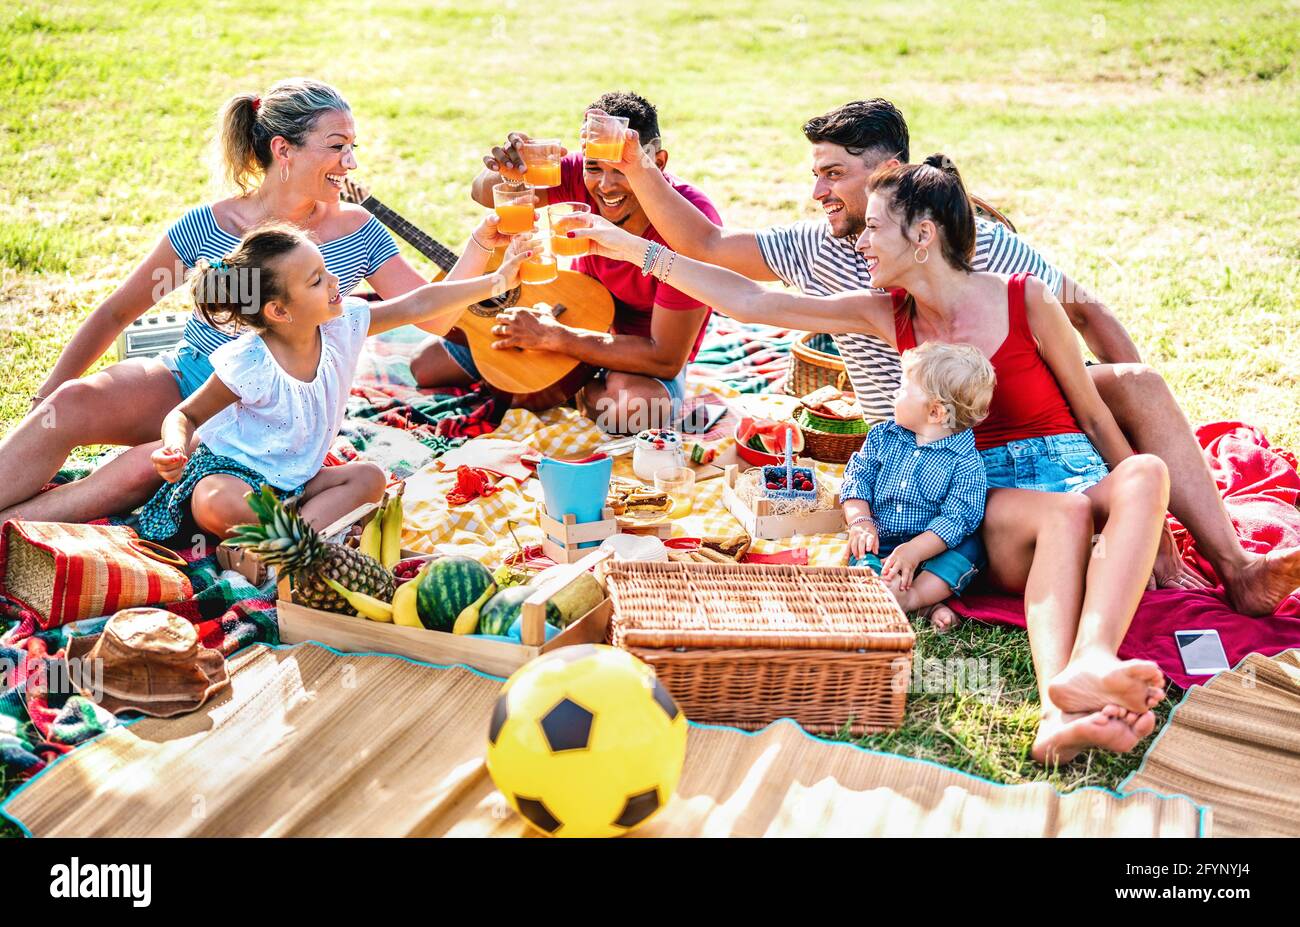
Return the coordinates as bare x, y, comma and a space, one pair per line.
586, 742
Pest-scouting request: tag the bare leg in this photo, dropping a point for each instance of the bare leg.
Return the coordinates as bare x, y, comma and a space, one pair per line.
433, 366
335, 491
121, 485
1154, 423
1038, 544
1130, 502
928, 591
626, 403
220, 503
124, 404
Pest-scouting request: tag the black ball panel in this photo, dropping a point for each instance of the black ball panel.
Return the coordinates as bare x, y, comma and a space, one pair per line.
567, 726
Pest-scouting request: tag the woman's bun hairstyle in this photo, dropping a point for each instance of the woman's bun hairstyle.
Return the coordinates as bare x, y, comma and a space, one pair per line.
932, 190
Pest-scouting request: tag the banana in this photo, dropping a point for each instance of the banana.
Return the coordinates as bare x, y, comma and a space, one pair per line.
405, 612
370, 535
391, 542
467, 620
366, 605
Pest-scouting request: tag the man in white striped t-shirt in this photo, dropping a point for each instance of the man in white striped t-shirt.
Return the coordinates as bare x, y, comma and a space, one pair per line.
818, 258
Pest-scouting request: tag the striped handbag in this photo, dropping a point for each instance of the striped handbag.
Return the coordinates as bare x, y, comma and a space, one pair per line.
66, 572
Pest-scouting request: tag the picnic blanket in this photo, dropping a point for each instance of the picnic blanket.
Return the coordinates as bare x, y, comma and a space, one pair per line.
482, 527
229, 612
313, 759
1260, 488
1234, 744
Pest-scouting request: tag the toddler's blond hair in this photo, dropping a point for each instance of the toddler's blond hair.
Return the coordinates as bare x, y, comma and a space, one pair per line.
957, 375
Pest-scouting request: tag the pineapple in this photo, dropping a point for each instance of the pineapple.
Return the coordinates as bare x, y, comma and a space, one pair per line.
283, 540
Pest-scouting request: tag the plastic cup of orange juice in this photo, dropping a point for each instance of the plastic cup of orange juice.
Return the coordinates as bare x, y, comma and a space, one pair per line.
604, 137
564, 218
541, 162
515, 205
541, 267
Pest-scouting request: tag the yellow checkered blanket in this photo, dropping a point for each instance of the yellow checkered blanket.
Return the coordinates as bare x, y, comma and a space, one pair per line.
481, 528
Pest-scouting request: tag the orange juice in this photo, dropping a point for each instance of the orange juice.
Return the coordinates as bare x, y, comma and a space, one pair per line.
605, 151
543, 174
514, 219
569, 247
539, 269
509, 173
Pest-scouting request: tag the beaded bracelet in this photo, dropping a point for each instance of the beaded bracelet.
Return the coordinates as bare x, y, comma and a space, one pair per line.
668, 267
861, 519
651, 253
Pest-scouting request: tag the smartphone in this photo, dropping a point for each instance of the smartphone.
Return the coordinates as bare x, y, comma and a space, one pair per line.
1202, 652
703, 418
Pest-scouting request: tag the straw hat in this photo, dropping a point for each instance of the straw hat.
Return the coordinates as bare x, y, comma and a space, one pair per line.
151, 662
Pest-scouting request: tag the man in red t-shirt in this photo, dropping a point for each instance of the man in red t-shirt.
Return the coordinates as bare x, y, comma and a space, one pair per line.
657, 330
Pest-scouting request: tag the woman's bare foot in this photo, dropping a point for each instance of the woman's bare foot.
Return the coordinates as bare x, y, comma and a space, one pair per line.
1259, 587
1093, 681
1063, 736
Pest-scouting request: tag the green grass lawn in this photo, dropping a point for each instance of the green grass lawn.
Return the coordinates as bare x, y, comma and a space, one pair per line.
1150, 149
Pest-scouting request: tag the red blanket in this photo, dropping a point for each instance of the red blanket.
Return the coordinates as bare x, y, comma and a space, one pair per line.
1260, 487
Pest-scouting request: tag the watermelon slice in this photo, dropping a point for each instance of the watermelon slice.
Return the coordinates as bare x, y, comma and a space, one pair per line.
768, 436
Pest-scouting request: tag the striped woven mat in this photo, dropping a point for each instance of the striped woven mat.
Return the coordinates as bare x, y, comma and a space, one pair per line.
312, 742
1234, 745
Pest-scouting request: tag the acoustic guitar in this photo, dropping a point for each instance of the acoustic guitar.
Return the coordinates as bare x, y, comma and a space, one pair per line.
532, 379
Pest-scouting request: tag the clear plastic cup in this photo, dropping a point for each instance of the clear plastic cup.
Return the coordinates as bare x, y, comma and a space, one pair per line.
560, 217
679, 484
541, 162
516, 207
603, 137
541, 267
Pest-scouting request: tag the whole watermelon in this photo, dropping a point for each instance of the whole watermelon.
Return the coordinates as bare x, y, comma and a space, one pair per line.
448, 586
503, 608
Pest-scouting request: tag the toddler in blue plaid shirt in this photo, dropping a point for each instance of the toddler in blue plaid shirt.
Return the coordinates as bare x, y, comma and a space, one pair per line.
914, 495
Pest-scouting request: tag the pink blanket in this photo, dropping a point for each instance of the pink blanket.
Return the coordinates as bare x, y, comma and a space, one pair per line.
1260, 487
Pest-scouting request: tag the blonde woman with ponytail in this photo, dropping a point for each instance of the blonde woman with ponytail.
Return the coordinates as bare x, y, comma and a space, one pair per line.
286, 152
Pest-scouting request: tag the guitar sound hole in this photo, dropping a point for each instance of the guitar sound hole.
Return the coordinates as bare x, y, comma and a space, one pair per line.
490, 307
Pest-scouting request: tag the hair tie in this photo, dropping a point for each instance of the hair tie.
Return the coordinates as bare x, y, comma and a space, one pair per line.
218, 264
257, 103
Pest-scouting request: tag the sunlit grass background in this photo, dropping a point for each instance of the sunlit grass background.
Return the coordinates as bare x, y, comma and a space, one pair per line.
1151, 150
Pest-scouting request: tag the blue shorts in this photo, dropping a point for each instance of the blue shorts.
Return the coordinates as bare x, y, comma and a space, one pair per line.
956, 566
1056, 463
188, 365
676, 387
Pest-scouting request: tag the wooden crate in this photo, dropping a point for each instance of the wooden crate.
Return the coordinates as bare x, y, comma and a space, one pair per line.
562, 539
761, 523
351, 634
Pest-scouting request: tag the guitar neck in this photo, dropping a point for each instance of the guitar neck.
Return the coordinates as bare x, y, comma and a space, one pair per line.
430, 247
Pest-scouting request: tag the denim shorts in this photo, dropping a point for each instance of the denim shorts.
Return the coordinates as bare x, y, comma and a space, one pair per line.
676, 387
1056, 463
956, 566
188, 365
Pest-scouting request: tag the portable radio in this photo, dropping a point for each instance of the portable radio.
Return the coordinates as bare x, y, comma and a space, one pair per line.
151, 334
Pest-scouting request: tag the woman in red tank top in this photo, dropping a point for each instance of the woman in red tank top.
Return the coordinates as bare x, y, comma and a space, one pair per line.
1050, 489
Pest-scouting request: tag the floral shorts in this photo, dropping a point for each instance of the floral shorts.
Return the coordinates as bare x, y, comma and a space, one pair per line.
162, 516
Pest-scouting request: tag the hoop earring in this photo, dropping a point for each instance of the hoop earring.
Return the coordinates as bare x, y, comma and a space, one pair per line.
921, 251
284, 172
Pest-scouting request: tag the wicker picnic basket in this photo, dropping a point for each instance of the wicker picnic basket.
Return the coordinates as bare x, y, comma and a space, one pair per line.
815, 362
747, 644
830, 439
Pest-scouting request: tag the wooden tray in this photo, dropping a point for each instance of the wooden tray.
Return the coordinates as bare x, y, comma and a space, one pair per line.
351, 634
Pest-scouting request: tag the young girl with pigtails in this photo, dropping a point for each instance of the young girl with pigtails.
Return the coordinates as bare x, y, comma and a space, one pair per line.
275, 400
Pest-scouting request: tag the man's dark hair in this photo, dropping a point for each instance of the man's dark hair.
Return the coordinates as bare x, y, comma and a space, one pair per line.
640, 113
862, 126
